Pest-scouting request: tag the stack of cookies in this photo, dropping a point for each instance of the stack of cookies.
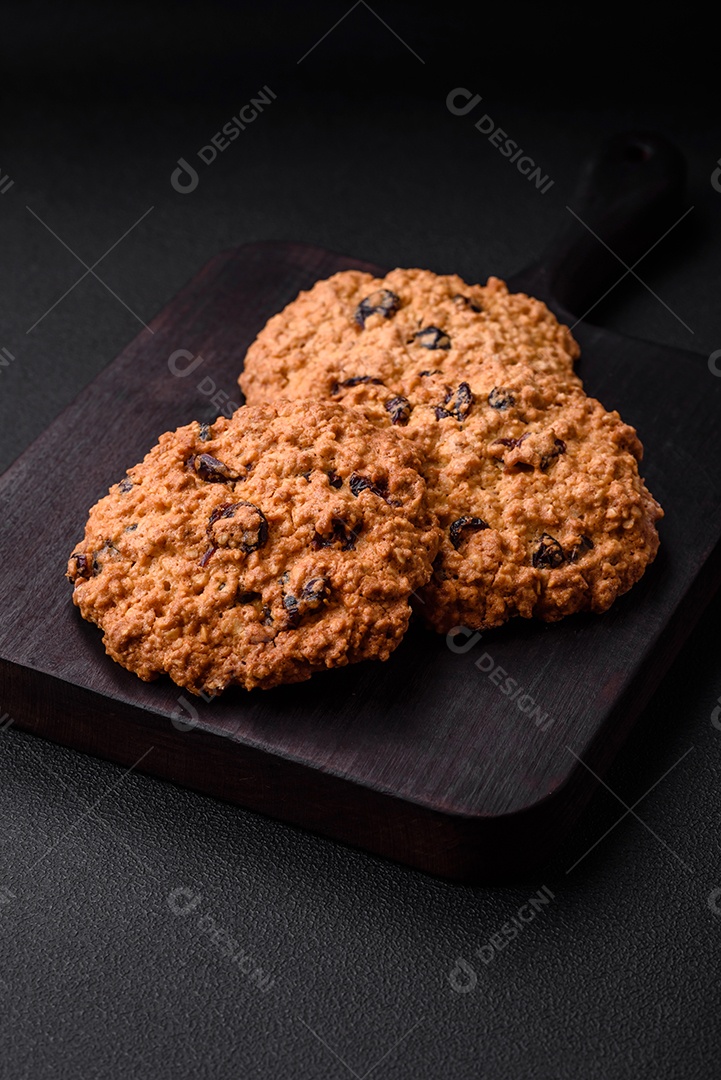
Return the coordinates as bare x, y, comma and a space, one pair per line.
407, 442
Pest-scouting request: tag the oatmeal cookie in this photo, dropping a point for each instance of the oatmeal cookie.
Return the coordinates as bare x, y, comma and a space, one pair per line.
258, 550
353, 327
538, 492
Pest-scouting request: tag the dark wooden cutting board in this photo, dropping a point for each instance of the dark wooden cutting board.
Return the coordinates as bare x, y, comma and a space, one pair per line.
423, 759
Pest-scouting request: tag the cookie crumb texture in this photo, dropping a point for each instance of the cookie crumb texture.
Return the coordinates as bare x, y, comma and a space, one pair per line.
271, 545
535, 485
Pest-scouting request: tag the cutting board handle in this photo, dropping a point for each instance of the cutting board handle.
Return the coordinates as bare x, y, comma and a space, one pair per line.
628, 195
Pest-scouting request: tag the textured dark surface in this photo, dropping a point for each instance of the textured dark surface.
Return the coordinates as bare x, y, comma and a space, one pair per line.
616, 977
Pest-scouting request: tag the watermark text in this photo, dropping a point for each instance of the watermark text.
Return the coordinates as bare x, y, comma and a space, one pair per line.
460, 102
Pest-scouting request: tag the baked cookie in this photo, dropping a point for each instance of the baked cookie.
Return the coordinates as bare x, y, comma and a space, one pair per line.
538, 493
258, 550
353, 327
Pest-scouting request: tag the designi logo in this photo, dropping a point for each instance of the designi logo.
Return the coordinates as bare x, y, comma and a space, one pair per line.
716, 177
185, 178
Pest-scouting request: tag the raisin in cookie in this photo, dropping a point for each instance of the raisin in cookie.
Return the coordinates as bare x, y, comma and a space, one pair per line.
257, 551
353, 328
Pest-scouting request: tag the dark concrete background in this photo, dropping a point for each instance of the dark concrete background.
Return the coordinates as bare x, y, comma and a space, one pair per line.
618, 976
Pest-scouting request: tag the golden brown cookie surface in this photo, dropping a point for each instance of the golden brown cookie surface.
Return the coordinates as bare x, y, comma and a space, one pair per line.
538, 492
354, 327
280, 542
